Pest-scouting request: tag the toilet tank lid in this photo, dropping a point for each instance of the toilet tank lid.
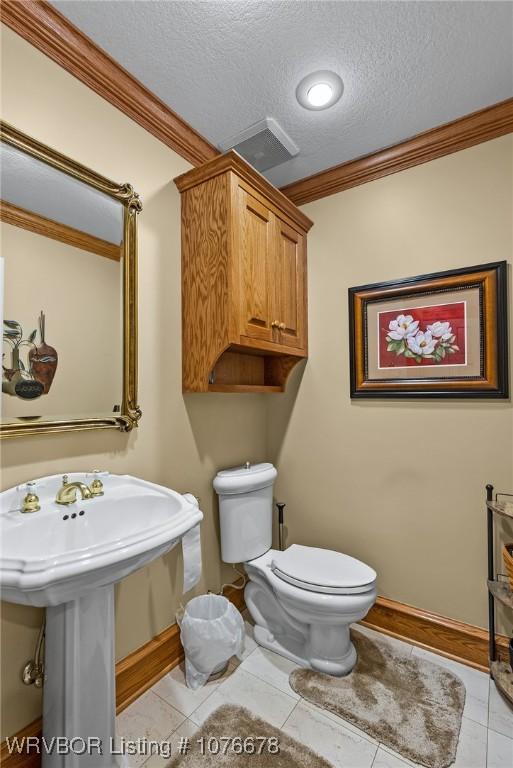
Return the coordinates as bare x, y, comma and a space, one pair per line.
248, 477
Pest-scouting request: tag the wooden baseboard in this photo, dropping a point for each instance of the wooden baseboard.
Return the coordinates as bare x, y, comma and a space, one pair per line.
142, 668
134, 675
454, 639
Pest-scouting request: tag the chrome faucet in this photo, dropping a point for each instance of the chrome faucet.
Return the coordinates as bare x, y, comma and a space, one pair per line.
67, 493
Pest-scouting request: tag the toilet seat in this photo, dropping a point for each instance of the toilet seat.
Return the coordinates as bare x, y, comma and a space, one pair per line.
323, 571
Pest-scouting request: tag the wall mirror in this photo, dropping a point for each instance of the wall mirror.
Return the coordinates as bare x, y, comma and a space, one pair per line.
69, 248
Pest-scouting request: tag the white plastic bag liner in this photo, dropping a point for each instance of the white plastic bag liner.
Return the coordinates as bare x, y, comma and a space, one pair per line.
212, 631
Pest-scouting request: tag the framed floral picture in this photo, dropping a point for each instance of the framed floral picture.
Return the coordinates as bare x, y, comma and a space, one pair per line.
438, 335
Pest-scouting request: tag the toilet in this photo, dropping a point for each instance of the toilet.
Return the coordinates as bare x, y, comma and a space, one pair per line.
303, 599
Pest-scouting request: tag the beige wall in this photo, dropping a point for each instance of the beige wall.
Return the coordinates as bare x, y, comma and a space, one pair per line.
65, 282
399, 484
181, 441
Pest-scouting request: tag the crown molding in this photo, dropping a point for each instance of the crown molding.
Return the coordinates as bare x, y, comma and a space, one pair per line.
488, 123
232, 161
34, 222
48, 30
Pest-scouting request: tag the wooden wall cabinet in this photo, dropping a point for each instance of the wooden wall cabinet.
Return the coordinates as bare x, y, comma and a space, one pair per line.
244, 294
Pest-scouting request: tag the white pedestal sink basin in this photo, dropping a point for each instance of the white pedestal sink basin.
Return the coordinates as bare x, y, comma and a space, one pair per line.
68, 558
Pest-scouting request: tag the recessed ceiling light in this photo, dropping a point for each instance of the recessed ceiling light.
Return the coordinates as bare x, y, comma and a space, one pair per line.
319, 95
319, 90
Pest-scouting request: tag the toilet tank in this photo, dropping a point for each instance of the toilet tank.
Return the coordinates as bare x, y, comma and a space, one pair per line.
245, 511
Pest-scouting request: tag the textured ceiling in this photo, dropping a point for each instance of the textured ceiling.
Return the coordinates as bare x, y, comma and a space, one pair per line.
406, 66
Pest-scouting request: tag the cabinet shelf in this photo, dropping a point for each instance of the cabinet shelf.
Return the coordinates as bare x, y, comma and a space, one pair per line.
503, 676
248, 388
502, 508
501, 592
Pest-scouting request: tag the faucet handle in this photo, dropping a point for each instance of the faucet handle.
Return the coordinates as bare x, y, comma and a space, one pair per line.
31, 500
96, 487
26, 492
65, 480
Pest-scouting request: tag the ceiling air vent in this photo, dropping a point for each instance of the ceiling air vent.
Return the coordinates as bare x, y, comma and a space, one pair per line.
263, 144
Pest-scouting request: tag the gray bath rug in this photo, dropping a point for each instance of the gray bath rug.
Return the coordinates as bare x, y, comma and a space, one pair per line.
236, 722
406, 703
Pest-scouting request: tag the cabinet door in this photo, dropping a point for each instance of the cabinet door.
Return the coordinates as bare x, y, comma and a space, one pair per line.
255, 248
290, 281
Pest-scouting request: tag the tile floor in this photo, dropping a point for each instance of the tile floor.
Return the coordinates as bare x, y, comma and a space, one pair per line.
170, 710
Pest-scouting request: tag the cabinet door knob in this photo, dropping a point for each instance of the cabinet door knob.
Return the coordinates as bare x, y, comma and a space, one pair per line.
282, 326
274, 324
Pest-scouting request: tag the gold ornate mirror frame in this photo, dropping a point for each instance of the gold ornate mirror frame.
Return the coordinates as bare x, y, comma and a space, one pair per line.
130, 413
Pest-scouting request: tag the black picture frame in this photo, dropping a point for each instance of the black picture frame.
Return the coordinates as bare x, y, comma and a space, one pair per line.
493, 380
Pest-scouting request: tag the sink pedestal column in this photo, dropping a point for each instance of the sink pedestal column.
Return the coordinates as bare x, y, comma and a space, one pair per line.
79, 701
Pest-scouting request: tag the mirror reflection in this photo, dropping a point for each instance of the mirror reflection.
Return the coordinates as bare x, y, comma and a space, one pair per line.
63, 252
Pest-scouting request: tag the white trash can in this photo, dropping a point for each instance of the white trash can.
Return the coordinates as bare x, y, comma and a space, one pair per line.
212, 631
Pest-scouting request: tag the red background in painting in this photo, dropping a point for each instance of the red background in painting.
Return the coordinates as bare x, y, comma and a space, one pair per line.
454, 313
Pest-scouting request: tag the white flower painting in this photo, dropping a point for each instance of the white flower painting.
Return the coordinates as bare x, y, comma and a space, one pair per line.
402, 326
435, 342
438, 335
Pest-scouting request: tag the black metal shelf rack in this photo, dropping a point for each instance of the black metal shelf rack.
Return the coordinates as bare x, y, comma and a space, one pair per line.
500, 671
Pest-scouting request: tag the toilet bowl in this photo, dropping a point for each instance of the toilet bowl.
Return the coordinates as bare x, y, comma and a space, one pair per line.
303, 599
307, 623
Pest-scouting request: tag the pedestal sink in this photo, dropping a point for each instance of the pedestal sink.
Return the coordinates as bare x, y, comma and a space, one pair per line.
68, 558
